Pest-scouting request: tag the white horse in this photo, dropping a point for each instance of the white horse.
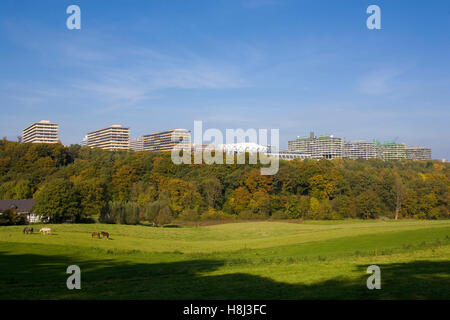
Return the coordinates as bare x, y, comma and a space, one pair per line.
45, 230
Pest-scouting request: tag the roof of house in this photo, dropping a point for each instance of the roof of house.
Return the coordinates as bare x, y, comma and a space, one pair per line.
19, 205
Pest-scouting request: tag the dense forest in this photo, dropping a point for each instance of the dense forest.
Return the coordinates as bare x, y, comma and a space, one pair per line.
80, 184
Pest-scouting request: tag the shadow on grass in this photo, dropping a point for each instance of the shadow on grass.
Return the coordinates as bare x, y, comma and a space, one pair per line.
31, 276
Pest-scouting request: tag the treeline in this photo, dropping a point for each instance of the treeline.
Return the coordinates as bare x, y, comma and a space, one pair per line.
80, 184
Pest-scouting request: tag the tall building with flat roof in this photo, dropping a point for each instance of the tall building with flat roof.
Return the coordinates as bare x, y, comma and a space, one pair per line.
418, 153
137, 144
359, 150
322, 147
302, 144
326, 147
391, 151
112, 138
167, 140
41, 132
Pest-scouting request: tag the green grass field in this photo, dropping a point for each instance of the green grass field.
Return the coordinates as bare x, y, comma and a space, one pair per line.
248, 260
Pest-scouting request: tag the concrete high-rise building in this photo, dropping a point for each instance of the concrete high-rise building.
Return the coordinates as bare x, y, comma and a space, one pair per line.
359, 150
41, 132
330, 147
322, 147
302, 144
391, 151
418, 153
167, 140
112, 138
326, 147
137, 144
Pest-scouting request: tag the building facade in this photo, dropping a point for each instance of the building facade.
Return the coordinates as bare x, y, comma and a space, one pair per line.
137, 144
391, 151
322, 147
330, 147
359, 150
41, 132
418, 153
111, 138
302, 144
326, 147
167, 140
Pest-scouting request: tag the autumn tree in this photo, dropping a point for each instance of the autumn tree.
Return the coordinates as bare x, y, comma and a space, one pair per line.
399, 190
211, 190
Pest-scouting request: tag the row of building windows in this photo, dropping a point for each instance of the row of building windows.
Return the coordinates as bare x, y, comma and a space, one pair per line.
330, 147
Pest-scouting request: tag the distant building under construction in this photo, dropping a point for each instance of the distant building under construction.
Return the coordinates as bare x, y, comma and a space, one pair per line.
391, 151
330, 147
418, 153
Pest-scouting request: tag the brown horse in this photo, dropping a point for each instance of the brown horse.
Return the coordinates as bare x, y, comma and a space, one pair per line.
105, 234
96, 234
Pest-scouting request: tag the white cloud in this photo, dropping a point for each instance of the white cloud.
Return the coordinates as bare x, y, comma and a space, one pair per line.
110, 72
379, 82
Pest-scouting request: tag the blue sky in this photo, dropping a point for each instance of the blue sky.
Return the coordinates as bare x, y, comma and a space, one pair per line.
288, 64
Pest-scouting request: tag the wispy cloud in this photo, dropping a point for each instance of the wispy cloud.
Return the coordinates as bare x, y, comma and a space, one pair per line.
111, 73
380, 82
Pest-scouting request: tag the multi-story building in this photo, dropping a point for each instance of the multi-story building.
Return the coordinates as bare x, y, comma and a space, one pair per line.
167, 140
137, 144
112, 138
330, 147
322, 147
41, 132
418, 153
359, 150
391, 151
326, 147
302, 144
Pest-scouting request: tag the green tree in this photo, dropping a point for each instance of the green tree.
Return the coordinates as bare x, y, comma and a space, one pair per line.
23, 190
368, 205
293, 210
93, 196
10, 217
59, 201
164, 216
314, 208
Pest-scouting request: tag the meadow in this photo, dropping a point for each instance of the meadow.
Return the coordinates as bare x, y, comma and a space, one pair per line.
245, 260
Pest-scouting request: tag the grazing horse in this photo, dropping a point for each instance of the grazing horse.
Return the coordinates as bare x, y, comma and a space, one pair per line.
28, 230
105, 234
45, 231
96, 234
